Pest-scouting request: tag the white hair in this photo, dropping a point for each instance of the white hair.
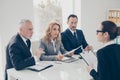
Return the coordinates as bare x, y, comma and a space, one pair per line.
22, 22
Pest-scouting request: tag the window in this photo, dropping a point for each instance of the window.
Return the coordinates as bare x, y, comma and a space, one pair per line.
74, 7
48, 10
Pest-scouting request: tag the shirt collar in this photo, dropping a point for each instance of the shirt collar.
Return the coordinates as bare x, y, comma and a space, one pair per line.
72, 31
24, 39
109, 43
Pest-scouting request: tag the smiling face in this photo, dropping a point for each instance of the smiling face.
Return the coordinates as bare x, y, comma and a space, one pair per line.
55, 31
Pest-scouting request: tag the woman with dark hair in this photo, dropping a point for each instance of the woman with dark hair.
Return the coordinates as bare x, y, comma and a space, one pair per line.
108, 67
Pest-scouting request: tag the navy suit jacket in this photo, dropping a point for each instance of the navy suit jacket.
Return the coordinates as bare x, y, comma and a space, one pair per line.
70, 43
108, 63
18, 55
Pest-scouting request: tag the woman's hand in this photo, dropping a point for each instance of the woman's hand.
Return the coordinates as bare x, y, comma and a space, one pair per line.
88, 48
59, 57
89, 68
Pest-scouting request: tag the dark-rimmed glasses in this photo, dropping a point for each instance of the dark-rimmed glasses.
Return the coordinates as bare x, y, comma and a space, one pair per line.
97, 31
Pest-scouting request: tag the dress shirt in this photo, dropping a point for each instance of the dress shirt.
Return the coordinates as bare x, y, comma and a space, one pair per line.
24, 39
73, 32
54, 46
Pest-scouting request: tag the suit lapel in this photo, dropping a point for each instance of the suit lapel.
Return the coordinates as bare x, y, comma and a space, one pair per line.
70, 36
23, 45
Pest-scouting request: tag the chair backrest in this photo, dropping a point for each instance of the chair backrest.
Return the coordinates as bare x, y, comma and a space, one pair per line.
34, 46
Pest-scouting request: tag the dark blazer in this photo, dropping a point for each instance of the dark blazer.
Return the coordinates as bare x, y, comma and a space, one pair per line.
70, 43
49, 54
108, 63
18, 55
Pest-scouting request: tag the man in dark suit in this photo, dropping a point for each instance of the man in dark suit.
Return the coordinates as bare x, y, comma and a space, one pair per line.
108, 67
72, 37
18, 53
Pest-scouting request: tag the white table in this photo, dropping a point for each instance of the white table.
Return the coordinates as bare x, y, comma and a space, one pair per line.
60, 71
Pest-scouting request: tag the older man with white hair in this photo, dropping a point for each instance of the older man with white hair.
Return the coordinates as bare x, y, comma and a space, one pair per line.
18, 53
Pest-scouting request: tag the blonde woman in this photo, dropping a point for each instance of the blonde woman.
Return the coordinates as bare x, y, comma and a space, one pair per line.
51, 43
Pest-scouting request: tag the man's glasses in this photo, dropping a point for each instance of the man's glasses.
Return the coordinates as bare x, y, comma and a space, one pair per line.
97, 31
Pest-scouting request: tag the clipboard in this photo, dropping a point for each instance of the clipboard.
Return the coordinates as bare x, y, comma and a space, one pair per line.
89, 58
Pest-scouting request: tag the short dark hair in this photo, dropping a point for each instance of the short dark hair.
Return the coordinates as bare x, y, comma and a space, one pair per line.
72, 15
111, 28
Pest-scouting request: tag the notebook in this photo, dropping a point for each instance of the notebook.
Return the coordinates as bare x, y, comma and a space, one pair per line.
39, 67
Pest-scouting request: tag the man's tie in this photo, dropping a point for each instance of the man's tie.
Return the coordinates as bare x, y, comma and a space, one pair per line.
28, 43
75, 36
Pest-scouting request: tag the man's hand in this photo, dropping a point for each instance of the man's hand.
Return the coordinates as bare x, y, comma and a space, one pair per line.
71, 54
88, 48
39, 52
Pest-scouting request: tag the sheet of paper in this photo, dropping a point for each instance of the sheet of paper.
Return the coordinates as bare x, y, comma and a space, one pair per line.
65, 58
72, 50
90, 58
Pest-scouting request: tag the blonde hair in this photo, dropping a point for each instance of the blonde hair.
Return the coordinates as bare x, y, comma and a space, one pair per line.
48, 31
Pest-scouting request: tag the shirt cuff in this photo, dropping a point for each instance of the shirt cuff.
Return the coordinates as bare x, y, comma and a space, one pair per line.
36, 59
93, 72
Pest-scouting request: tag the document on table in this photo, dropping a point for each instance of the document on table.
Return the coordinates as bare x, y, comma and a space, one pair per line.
69, 59
39, 67
89, 58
